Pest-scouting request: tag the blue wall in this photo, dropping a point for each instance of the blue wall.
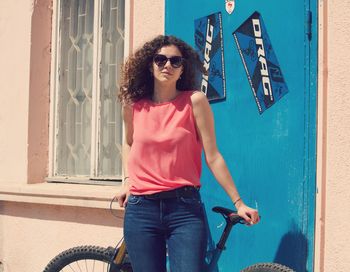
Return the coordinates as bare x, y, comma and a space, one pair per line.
271, 155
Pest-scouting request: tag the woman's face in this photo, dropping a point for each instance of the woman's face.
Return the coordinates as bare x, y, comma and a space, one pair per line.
167, 65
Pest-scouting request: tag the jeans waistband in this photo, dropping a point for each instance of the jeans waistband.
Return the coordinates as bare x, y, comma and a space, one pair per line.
185, 191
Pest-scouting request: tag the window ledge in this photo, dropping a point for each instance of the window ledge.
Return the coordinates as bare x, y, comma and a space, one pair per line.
90, 196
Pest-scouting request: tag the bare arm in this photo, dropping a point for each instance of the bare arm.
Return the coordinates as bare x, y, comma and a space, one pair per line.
123, 193
216, 163
128, 135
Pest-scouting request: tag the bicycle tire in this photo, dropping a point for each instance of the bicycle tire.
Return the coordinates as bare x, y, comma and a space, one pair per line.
85, 258
267, 267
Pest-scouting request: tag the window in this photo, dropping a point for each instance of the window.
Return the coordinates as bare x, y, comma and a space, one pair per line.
86, 133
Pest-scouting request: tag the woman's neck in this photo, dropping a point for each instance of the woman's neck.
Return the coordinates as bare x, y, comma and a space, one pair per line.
164, 93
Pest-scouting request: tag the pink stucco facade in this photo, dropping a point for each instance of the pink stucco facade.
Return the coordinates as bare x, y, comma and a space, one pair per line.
38, 220
333, 152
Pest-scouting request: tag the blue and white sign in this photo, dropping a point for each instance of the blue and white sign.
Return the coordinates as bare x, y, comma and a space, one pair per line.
260, 62
209, 45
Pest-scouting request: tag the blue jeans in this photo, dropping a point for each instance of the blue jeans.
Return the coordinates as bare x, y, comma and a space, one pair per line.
154, 226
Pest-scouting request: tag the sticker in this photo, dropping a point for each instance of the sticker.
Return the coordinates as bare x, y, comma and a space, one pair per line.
260, 62
209, 45
230, 6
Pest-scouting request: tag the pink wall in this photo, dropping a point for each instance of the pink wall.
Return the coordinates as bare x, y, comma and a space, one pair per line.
32, 234
15, 37
37, 221
148, 20
39, 91
333, 205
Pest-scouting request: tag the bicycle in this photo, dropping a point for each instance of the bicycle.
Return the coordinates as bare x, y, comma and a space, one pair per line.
115, 259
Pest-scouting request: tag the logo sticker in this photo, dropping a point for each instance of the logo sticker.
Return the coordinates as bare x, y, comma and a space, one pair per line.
230, 6
209, 45
260, 62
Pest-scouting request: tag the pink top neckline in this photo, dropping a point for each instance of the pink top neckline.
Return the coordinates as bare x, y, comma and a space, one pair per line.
181, 93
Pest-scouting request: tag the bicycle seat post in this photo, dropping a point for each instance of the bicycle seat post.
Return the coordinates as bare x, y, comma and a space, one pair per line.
231, 219
221, 244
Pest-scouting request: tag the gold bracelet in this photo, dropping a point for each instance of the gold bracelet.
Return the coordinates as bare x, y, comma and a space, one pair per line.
234, 203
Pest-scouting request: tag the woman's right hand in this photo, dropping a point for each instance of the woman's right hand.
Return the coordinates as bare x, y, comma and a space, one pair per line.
122, 195
251, 216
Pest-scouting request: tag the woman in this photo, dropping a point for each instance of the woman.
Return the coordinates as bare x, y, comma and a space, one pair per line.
167, 124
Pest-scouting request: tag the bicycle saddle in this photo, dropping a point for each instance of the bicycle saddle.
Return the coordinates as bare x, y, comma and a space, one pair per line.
229, 214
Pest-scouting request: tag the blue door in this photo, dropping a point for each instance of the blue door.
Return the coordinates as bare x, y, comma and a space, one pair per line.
271, 153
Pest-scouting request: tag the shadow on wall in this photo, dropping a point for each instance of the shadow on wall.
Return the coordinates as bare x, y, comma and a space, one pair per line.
293, 250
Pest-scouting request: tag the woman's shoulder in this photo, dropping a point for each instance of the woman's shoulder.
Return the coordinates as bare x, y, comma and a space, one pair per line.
198, 97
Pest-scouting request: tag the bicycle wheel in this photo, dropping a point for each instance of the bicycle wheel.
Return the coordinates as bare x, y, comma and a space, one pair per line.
267, 267
84, 259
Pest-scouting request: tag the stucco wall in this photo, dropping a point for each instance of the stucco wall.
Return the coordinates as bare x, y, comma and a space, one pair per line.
15, 34
16, 78
337, 137
32, 234
38, 221
148, 20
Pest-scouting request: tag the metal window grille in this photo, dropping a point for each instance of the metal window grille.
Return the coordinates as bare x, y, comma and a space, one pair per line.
87, 132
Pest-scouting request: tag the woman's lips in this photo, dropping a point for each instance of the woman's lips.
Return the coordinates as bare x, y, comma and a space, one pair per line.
166, 73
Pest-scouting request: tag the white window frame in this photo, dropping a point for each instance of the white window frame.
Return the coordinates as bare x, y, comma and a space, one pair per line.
54, 87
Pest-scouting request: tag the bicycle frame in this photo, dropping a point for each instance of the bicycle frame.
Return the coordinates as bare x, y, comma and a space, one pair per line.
220, 245
119, 261
231, 219
120, 256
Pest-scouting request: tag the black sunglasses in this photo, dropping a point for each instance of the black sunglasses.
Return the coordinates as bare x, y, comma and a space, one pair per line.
161, 60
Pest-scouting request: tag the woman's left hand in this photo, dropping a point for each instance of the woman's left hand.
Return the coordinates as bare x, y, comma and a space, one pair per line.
251, 216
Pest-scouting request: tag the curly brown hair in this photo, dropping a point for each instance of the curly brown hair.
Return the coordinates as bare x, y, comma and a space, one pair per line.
137, 80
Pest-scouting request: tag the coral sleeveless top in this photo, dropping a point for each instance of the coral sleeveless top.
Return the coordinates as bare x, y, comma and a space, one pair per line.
166, 149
